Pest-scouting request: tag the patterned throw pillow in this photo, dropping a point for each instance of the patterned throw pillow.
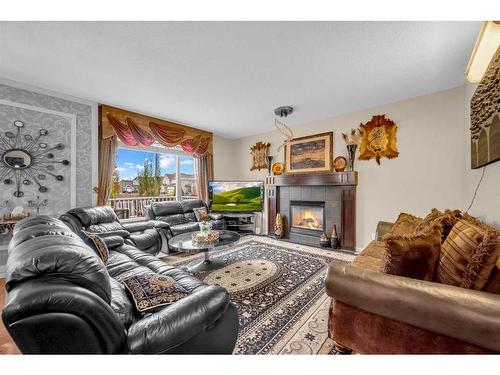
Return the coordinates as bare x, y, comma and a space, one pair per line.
152, 291
413, 255
447, 219
95, 243
468, 256
201, 214
405, 224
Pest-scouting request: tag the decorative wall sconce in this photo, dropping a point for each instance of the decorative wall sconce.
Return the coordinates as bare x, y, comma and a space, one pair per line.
27, 159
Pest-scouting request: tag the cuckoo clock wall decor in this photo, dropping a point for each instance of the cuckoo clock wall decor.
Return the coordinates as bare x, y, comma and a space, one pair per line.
28, 159
260, 152
378, 139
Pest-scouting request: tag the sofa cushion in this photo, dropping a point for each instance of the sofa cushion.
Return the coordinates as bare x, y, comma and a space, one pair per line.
94, 215
468, 256
151, 292
405, 224
184, 228
367, 262
446, 219
174, 219
413, 255
166, 208
189, 205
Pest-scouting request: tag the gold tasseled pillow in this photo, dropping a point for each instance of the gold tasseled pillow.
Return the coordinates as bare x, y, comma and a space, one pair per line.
405, 224
413, 255
446, 219
468, 256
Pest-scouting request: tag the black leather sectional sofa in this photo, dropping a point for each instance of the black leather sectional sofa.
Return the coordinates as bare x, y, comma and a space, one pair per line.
63, 299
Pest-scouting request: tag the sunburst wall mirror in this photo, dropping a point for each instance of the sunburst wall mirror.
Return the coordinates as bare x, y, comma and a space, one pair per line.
28, 159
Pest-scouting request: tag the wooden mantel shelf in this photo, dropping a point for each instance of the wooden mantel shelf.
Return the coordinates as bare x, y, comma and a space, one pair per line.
315, 179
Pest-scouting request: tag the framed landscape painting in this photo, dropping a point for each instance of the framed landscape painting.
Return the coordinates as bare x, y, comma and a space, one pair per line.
310, 154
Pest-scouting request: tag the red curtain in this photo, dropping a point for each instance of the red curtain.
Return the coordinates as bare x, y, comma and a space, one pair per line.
133, 135
140, 135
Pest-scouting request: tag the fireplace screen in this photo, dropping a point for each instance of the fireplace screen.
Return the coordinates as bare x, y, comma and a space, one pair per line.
307, 216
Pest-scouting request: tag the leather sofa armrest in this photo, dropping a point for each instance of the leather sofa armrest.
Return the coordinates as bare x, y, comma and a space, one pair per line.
158, 224
468, 315
172, 326
215, 216
383, 227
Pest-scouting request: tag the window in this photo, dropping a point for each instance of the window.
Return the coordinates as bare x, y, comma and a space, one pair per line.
142, 176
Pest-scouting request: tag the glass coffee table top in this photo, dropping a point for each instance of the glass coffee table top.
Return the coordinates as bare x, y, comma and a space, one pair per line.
184, 243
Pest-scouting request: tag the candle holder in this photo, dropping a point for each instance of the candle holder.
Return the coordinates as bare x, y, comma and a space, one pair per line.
37, 204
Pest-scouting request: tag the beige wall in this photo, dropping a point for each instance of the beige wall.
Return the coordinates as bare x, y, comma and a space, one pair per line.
224, 154
428, 173
487, 202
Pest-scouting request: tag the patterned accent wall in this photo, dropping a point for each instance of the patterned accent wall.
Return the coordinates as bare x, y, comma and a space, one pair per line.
83, 113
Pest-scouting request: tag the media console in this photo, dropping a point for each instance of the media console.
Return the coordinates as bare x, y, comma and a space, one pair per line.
240, 222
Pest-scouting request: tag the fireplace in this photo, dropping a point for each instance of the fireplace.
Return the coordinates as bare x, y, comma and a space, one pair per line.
307, 217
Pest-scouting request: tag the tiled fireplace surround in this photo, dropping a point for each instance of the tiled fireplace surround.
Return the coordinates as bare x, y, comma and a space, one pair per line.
330, 195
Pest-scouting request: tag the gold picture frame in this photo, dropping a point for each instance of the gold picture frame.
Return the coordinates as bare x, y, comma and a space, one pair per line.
309, 154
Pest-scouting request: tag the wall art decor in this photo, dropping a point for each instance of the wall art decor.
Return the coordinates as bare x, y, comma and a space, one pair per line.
309, 154
29, 159
260, 152
485, 117
378, 139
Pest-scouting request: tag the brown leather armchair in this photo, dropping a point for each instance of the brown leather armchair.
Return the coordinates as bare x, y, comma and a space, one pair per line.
376, 313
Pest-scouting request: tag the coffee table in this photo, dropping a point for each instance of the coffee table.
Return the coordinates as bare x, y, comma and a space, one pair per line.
184, 243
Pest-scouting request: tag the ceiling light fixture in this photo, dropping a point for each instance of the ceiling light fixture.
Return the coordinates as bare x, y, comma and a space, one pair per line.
486, 45
283, 128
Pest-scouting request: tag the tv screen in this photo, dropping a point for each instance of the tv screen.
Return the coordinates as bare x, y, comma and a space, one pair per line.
236, 196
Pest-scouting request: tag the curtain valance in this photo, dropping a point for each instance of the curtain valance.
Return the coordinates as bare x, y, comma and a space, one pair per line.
134, 129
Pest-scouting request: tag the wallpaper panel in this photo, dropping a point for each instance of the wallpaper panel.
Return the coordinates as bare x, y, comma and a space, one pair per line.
59, 131
83, 114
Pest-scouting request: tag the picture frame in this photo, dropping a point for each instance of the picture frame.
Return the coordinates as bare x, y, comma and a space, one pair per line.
309, 154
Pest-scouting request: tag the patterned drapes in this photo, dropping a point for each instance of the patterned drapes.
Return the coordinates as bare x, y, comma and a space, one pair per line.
131, 134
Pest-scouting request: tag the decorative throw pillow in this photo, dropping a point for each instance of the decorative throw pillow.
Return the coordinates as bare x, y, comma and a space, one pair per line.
201, 214
153, 291
96, 243
405, 224
413, 255
468, 256
447, 219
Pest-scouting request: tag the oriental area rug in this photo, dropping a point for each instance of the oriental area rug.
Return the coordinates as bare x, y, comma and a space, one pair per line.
278, 289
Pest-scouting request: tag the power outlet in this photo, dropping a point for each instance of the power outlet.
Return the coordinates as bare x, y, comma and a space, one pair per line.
374, 236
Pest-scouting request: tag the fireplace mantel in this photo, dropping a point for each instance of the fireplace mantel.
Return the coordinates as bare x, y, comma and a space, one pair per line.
345, 182
314, 179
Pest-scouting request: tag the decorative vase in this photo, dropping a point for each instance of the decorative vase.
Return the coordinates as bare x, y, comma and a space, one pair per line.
279, 229
205, 228
324, 241
351, 152
269, 164
334, 241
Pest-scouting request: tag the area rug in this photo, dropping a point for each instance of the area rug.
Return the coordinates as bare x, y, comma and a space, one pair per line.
278, 289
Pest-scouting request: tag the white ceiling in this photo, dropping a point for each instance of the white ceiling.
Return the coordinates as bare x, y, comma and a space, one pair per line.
228, 77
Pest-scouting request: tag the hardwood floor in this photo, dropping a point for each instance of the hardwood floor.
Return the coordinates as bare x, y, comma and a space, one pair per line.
7, 346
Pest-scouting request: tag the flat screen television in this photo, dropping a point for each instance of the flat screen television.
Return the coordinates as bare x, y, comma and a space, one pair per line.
236, 196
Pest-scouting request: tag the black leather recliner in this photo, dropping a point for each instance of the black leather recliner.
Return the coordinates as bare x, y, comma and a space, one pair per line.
63, 299
180, 216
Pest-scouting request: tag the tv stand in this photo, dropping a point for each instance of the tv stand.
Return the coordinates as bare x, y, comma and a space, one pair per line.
243, 223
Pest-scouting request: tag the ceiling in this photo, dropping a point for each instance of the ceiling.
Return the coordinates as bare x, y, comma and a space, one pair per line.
227, 77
